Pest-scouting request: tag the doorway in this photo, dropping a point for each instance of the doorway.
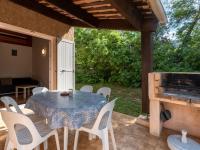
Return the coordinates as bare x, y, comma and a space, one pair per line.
51, 46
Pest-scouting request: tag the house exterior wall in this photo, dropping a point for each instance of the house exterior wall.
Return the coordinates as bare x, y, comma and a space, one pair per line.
17, 15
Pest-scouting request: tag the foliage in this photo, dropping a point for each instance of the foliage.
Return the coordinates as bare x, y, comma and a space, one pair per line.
177, 45
108, 56
114, 56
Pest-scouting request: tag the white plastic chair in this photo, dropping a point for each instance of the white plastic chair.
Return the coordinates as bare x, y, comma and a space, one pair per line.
105, 91
10, 102
86, 88
38, 90
28, 137
101, 126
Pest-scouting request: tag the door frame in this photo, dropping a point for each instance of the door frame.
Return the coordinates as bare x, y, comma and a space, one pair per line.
72, 42
52, 49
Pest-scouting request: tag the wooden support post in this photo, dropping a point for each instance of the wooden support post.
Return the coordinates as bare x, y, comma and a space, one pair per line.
147, 65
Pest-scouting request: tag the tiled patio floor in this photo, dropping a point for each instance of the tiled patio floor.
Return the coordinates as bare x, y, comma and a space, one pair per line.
128, 134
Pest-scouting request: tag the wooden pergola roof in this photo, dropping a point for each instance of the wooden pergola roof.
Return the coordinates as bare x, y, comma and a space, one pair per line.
134, 15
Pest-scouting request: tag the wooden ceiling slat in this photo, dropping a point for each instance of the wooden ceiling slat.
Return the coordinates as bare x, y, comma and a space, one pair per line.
57, 9
106, 15
105, 12
111, 14
33, 5
144, 7
102, 10
60, 11
75, 11
95, 6
85, 1
146, 12
139, 1
110, 18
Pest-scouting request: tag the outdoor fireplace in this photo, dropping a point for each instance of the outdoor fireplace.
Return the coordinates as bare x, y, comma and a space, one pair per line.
180, 94
185, 87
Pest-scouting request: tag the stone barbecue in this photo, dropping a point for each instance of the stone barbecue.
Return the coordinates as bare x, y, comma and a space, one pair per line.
179, 93
183, 86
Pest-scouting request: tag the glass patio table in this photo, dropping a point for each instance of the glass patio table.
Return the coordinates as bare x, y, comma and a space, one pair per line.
70, 112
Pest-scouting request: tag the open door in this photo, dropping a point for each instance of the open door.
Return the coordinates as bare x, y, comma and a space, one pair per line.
66, 65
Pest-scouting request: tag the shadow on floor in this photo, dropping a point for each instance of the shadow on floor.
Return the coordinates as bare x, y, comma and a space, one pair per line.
128, 135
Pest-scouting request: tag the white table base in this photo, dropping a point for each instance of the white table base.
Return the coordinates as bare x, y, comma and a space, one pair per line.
66, 130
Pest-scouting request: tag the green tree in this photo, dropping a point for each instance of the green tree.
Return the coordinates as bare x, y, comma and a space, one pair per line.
108, 56
114, 56
179, 51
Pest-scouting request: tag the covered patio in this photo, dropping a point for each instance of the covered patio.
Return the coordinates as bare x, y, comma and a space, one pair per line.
133, 15
138, 16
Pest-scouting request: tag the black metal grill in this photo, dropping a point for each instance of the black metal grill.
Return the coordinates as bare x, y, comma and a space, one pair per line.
183, 86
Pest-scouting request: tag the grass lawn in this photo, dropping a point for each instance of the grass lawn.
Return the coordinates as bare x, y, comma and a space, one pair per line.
129, 101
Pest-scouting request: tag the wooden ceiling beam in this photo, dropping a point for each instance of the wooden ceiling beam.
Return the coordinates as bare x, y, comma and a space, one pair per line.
113, 24
144, 9
129, 11
76, 11
149, 25
116, 24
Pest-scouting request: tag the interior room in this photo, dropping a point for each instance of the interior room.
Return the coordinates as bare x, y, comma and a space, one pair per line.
24, 61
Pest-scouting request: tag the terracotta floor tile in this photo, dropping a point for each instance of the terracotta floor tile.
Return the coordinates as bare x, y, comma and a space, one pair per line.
128, 134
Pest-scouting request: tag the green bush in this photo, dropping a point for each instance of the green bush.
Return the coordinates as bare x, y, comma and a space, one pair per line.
108, 56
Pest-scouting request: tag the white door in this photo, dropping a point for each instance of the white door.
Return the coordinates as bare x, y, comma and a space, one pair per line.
65, 64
